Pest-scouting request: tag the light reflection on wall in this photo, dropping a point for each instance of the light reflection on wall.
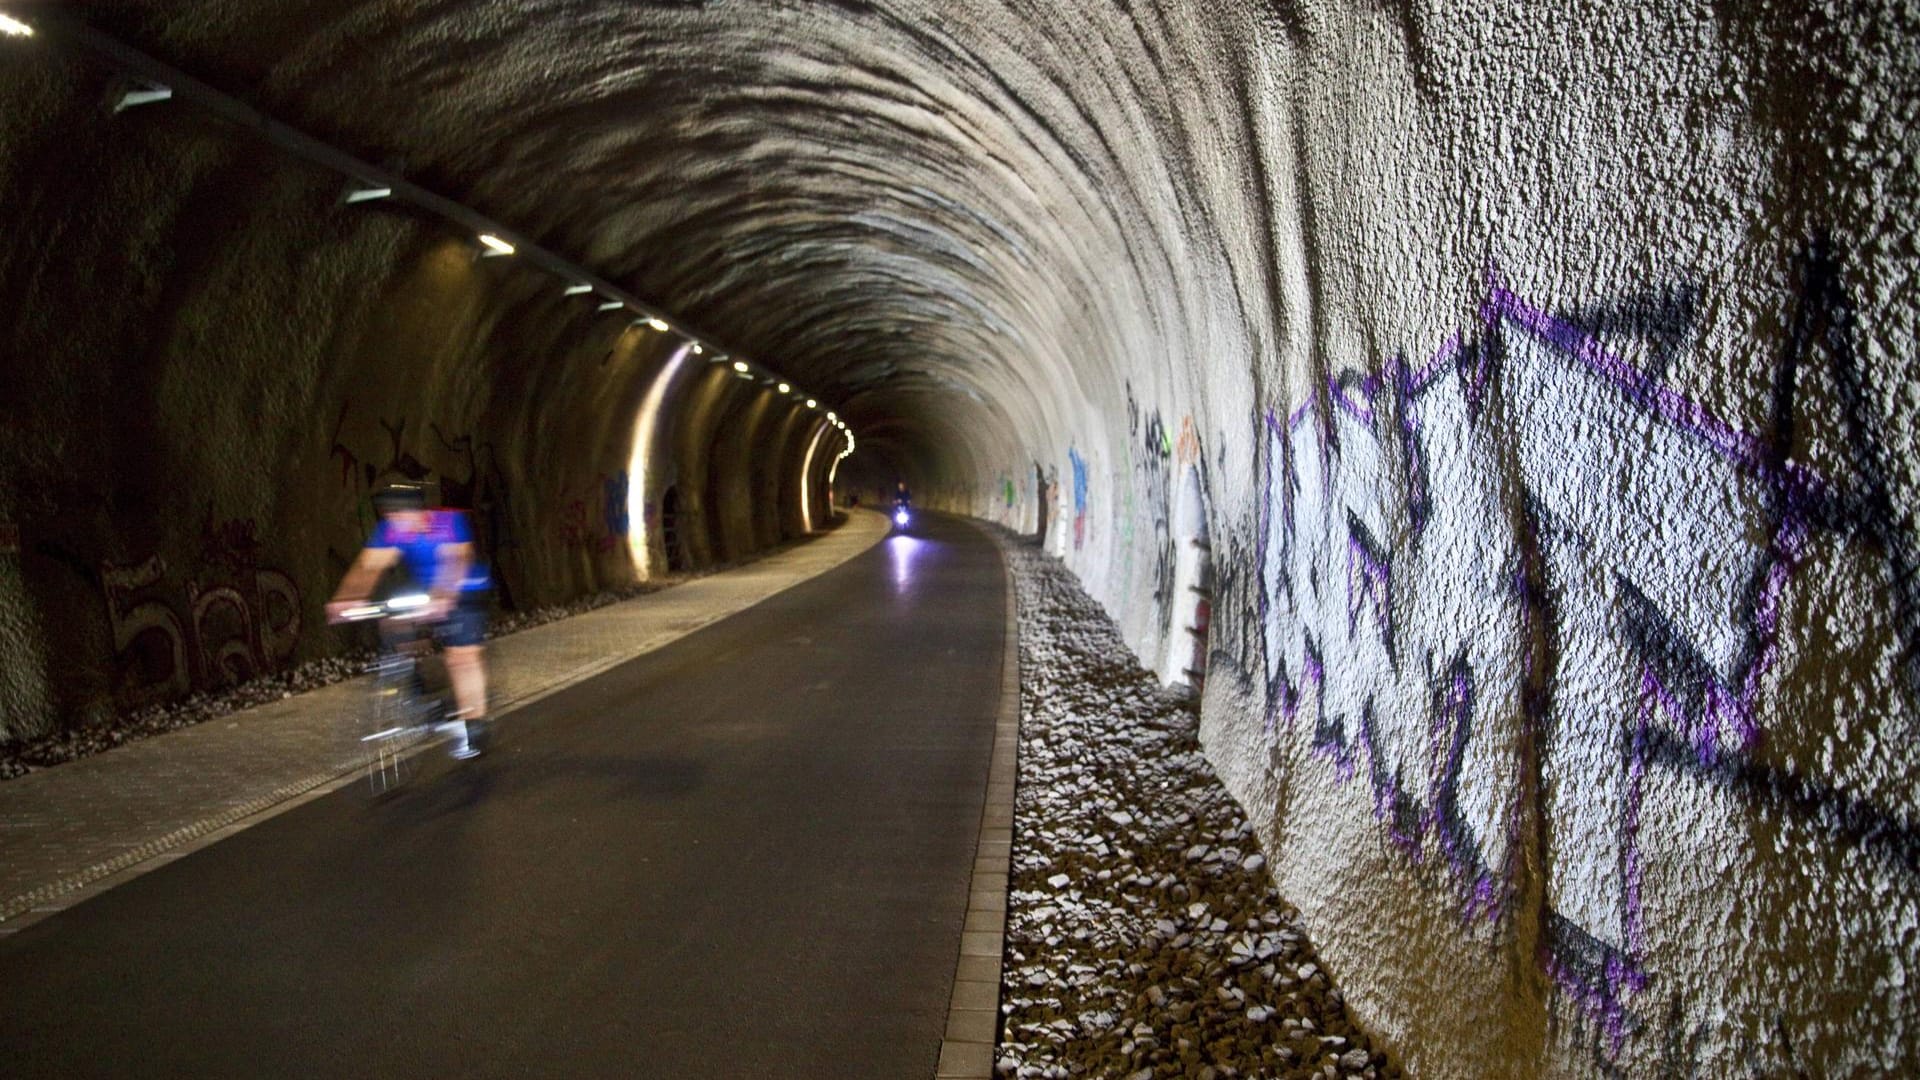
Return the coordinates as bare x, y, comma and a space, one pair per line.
641, 482
806, 476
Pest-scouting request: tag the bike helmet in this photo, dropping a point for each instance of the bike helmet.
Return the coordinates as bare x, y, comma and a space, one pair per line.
396, 497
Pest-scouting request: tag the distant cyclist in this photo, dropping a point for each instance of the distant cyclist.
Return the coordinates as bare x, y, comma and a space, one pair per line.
902, 498
435, 546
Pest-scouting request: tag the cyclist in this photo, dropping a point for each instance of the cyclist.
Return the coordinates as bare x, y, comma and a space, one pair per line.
435, 546
902, 505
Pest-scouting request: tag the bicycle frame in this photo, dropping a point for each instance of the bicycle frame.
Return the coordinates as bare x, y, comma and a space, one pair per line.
405, 710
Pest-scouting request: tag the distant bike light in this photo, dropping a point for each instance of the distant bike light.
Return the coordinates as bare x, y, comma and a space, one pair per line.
899, 517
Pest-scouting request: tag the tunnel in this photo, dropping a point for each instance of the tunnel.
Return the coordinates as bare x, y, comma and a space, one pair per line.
1501, 422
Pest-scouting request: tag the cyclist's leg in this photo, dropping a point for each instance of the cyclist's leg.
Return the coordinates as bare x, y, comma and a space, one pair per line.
465, 633
468, 671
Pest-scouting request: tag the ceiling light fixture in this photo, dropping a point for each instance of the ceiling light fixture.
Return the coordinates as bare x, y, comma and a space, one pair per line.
145, 93
495, 245
13, 27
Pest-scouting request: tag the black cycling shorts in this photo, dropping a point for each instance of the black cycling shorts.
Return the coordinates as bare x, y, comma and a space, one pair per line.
467, 623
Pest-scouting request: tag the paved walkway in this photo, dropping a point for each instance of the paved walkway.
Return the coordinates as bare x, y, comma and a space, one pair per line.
70, 832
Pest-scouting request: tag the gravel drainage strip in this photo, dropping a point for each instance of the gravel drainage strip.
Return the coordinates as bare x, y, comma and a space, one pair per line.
1144, 937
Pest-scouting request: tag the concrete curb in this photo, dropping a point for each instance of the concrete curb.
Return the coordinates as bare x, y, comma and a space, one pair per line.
973, 1015
19, 911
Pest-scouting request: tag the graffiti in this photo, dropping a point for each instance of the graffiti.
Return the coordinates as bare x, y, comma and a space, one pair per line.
1194, 570
1153, 479
1186, 448
481, 489
1197, 662
597, 520
1006, 498
1047, 492
615, 513
231, 621
573, 525
149, 639
363, 478
1079, 498
1534, 524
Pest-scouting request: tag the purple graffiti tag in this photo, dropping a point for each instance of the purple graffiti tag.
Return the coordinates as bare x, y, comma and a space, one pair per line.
1369, 583
1691, 635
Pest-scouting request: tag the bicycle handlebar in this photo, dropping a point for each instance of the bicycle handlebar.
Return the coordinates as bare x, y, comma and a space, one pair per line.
406, 606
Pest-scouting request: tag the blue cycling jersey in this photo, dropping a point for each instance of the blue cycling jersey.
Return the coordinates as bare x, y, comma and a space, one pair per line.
420, 549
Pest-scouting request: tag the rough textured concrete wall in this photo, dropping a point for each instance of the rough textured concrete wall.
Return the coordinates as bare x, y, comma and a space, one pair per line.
1564, 633
1541, 381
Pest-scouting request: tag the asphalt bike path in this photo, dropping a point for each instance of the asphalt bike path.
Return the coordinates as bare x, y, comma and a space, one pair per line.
69, 833
744, 854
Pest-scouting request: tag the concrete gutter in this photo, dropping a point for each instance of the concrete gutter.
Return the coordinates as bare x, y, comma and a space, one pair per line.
973, 1017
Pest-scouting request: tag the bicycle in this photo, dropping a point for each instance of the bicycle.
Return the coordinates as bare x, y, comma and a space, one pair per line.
412, 697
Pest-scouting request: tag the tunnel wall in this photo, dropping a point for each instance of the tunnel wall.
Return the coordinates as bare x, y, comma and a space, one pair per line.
1540, 379
211, 364
1549, 384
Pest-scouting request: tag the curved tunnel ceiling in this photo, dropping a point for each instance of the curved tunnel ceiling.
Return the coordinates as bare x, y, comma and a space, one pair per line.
916, 210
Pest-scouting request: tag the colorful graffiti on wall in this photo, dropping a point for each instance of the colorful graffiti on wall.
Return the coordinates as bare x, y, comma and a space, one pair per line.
1464, 564
1079, 499
598, 519
615, 514
1186, 448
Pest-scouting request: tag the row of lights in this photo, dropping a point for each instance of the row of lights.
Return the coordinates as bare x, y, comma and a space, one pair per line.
495, 246
492, 246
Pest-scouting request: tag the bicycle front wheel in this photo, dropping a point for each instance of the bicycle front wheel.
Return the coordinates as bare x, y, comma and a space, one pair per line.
391, 728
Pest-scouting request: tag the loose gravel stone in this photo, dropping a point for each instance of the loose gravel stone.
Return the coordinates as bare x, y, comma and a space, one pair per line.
1144, 939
